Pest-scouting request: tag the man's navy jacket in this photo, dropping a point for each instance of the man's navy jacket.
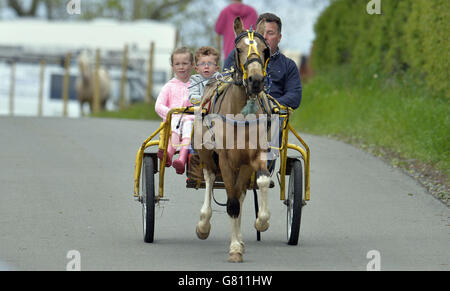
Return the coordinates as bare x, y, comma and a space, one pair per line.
283, 79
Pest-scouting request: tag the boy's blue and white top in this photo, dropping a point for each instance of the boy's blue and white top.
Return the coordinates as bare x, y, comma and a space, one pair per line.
197, 87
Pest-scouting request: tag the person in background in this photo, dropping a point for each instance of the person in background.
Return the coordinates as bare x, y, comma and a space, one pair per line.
224, 24
175, 94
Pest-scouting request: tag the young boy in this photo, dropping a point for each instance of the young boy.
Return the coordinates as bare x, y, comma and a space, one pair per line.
206, 60
175, 94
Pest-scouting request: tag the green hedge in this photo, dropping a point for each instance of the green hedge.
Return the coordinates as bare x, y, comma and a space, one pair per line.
410, 36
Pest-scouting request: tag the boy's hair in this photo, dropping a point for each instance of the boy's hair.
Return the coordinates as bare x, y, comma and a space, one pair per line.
270, 17
182, 50
206, 51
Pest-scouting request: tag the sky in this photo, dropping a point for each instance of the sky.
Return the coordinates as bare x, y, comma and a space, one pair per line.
298, 17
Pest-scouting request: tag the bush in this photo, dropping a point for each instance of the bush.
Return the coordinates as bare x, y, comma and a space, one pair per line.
395, 115
409, 37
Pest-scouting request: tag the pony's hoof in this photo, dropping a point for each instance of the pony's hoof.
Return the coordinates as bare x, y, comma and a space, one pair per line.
202, 235
235, 258
260, 226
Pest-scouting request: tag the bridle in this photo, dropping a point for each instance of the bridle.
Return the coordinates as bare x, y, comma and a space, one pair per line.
242, 68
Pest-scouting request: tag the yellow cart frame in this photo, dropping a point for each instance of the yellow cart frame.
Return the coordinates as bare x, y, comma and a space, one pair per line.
163, 141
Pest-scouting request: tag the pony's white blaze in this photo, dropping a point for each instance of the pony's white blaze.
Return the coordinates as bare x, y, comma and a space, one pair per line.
247, 42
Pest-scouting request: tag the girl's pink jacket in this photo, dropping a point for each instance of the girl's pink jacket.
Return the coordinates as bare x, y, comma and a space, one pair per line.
173, 94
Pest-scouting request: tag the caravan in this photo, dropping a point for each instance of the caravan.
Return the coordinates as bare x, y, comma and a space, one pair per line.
25, 44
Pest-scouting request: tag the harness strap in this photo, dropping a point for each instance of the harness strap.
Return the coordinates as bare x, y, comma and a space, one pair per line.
251, 47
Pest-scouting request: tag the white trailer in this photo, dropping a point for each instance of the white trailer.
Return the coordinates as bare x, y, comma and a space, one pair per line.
26, 41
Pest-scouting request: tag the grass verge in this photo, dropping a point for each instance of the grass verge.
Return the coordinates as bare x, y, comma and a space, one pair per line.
145, 111
395, 119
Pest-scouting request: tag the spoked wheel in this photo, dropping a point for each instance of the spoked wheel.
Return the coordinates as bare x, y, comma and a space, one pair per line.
294, 202
148, 199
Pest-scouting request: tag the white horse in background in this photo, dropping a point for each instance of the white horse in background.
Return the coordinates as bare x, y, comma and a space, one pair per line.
85, 83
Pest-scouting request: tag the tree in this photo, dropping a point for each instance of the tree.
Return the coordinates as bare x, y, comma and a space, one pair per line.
158, 10
19, 7
124, 10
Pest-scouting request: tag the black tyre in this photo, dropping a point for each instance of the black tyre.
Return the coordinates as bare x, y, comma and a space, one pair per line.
148, 199
294, 202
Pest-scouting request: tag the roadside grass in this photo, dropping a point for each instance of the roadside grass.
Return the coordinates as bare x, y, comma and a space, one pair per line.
145, 111
396, 119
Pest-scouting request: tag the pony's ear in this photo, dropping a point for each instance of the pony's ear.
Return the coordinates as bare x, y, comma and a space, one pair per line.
261, 28
238, 26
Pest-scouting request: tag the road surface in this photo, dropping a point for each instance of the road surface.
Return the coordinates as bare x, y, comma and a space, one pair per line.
66, 200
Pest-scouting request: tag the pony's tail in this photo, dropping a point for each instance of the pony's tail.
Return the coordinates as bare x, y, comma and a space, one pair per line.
233, 207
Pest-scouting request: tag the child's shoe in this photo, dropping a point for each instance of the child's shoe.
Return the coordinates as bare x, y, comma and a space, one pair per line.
180, 164
168, 159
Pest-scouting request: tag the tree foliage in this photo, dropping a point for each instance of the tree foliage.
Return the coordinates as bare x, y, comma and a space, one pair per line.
21, 9
125, 10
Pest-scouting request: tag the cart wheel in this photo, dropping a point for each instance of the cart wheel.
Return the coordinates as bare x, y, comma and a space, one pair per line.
294, 202
148, 199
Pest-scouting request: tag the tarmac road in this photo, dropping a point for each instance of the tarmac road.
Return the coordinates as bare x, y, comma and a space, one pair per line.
66, 184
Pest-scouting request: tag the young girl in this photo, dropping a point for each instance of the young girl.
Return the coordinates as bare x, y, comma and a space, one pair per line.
175, 94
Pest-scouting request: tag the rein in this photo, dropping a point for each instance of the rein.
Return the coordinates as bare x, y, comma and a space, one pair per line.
218, 77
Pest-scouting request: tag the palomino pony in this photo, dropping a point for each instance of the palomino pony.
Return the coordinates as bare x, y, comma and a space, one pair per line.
85, 83
237, 165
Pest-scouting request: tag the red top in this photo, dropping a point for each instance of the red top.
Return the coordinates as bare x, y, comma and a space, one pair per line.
225, 23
